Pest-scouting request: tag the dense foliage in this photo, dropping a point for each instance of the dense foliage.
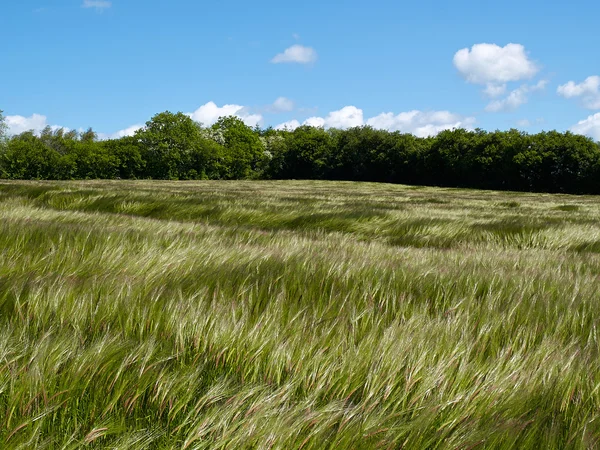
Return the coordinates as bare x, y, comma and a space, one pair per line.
174, 147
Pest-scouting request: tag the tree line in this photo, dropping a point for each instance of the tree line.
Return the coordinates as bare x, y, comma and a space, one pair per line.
174, 147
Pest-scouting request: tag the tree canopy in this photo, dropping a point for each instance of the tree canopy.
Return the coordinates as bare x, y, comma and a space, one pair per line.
172, 146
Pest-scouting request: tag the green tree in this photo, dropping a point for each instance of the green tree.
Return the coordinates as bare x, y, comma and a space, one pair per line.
274, 142
89, 135
308, 153
127, 156
364, 154
27, 158
167, 141
245, 153
173, 146
206, 161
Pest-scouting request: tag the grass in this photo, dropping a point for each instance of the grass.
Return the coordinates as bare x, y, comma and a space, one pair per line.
296, 315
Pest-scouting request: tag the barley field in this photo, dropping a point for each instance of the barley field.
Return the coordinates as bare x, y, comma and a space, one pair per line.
297, 315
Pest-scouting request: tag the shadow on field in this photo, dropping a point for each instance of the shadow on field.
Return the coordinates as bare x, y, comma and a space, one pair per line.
587, 247
383, 217
423, 233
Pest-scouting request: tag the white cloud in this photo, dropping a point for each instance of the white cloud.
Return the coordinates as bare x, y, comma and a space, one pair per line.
99, 5
588, 127
314, 122
290, 125
296, 54
35, 123
347, 117
209, 113
516, 97
420, 123
130, 131
493, 67
588, 90
524, 123
491, 64
282, 104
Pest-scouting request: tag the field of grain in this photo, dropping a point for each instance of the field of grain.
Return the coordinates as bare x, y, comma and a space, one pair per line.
296, 315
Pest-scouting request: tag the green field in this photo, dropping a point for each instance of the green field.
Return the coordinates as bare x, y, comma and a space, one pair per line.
297, 315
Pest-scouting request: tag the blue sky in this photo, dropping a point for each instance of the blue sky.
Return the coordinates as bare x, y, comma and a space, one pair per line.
413, 66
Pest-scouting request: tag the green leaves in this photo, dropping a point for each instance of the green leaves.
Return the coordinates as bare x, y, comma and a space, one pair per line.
308, 153
245, 151
173, 147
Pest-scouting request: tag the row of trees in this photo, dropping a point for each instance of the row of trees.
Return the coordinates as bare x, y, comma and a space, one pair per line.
173, 146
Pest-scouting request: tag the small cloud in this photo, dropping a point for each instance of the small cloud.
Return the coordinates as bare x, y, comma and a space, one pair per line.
491, 64
516, 98
209, 113
99, 5
493, 67
296, 54
282, 104
21, 124
588, 127
347, 117
130, 131
316, 122
296, 36
421, 123
290, 125
588, 90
